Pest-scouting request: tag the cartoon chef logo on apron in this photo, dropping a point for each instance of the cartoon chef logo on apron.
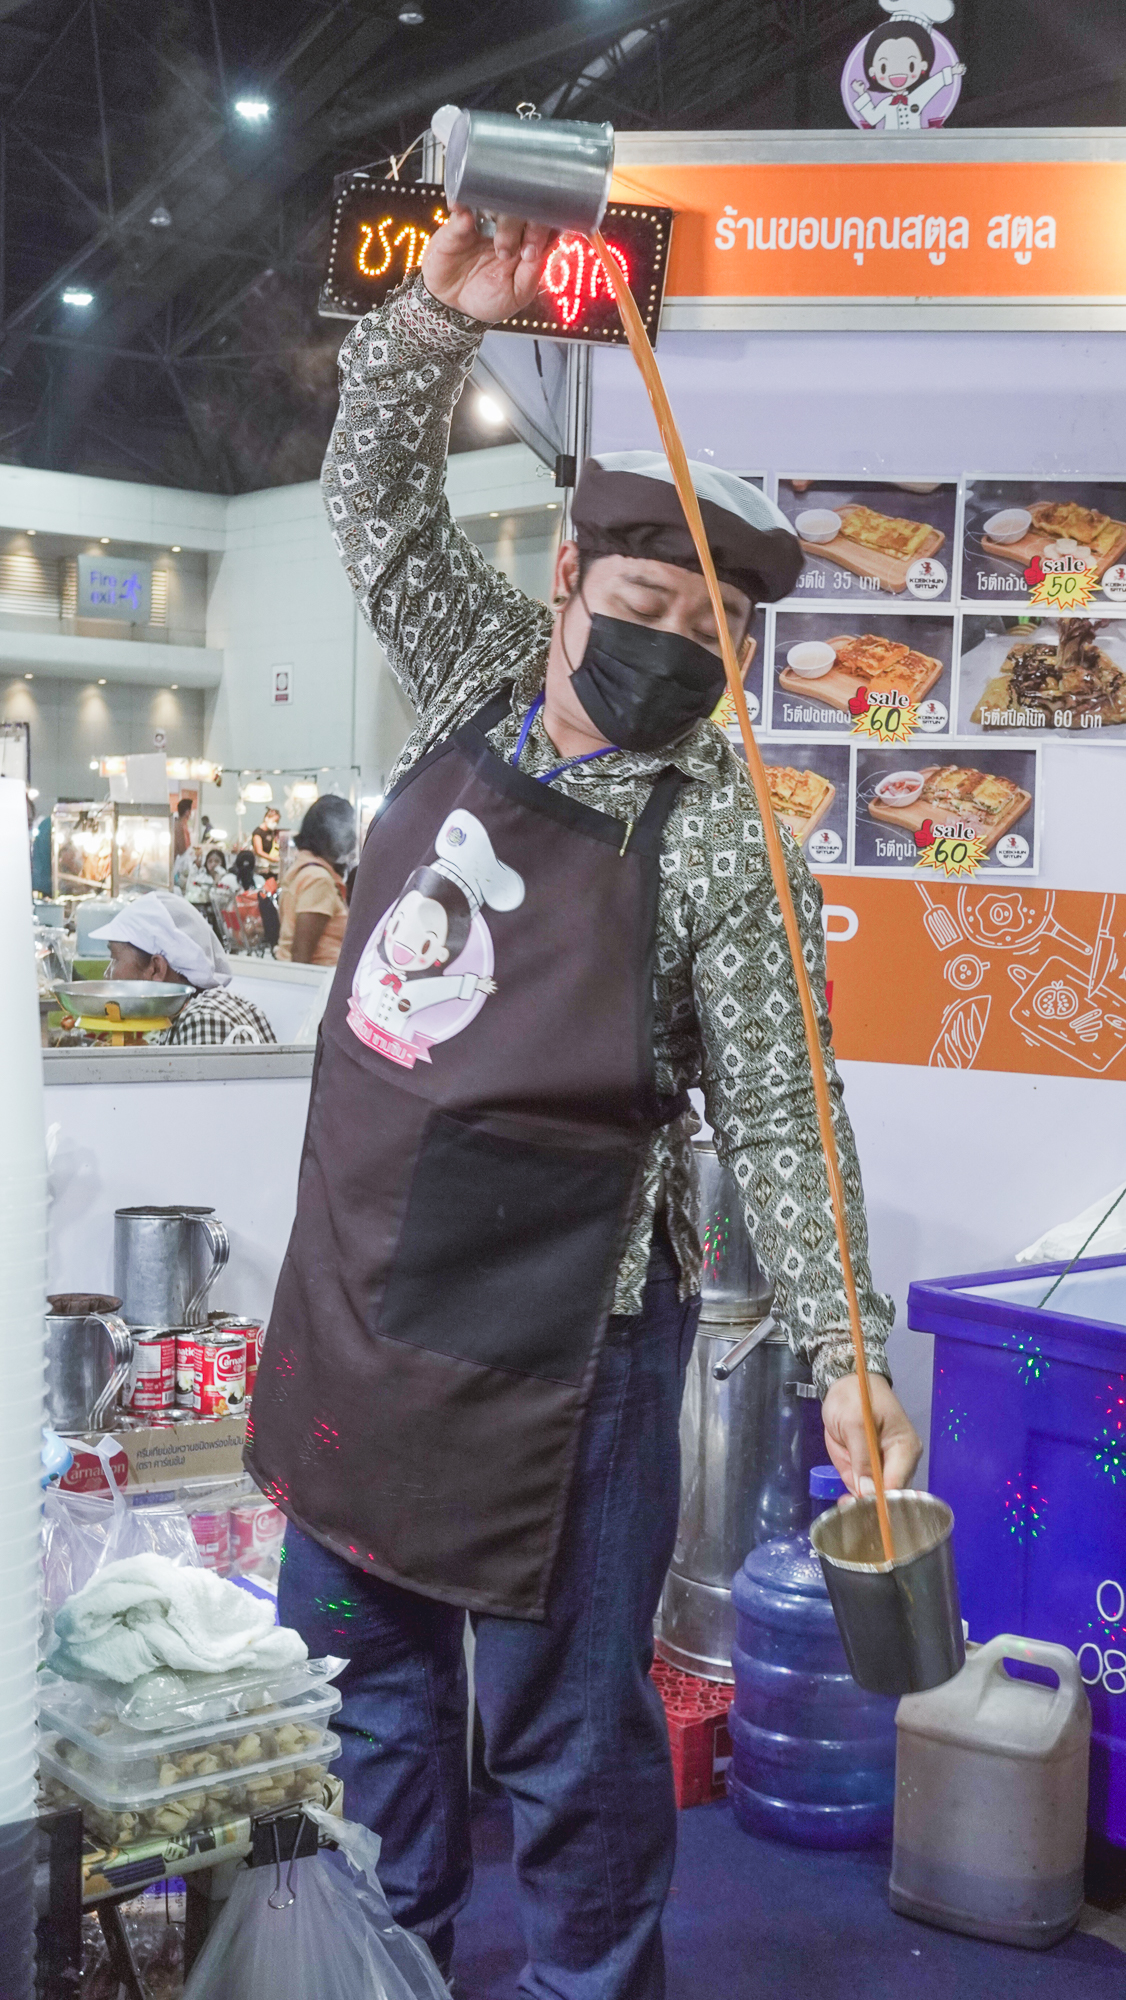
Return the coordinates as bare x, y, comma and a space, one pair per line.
427, 969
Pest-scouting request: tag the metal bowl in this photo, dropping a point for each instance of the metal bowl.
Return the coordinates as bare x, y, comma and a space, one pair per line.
138, 999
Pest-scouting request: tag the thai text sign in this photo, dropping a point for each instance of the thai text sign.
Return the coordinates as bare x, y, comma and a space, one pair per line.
957, 229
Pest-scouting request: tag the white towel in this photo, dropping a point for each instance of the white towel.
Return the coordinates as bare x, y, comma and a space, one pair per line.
147, 1612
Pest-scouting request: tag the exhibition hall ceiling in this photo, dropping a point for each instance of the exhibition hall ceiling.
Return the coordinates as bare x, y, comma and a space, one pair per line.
166, 169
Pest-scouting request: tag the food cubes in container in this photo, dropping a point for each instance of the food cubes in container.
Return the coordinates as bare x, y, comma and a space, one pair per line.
196, 1797
122, 1764
1028, 1446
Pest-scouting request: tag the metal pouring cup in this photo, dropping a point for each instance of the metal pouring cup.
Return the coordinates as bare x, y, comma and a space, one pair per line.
900, 1622
544, 170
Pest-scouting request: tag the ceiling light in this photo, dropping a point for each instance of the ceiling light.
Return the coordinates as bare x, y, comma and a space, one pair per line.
93, 763
32, 792
29, 677
254, 109
31, 531
104, 539
259, 793
488, 409
175, 685
160, 218
411, 15
77, 298
175, 548
102, 683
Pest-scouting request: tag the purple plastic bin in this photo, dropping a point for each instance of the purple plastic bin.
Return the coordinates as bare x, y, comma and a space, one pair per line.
1028, 1446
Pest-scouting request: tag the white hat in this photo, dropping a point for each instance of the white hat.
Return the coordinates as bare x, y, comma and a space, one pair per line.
925, 13
464, 855
147, 924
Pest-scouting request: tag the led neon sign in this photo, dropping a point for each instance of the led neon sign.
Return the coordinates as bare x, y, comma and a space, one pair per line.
381, 229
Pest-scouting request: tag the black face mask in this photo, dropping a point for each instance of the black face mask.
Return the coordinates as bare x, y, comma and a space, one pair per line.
643, 688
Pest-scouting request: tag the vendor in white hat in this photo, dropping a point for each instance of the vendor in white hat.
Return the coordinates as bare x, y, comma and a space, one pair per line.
470, 1389
146, 941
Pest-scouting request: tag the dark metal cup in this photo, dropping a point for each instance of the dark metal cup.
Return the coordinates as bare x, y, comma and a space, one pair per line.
900, 1622
542, 169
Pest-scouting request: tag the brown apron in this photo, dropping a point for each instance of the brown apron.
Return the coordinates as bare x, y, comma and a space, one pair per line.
482, 1104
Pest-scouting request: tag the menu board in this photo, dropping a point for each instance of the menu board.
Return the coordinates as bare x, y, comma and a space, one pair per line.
1029, 541
867, 538
822, 659
903, 714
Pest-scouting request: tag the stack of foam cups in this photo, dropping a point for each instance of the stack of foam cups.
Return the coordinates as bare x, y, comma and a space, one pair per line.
23, 1276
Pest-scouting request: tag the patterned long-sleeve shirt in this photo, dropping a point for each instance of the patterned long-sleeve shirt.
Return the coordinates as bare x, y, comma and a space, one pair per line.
727, 1017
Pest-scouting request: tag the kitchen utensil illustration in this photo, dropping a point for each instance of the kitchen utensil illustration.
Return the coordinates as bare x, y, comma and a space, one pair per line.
1010, 920
1055, 1007
1105, 960
937, 921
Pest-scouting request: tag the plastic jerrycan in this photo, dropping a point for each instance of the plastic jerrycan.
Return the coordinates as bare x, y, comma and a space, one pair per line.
991, 1797
813, 1754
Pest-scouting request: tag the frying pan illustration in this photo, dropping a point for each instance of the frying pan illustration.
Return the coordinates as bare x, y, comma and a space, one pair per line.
1009, 920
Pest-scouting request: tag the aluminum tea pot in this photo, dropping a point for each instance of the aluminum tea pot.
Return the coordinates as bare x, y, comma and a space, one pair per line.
89, 1350
165, 1261
549, 170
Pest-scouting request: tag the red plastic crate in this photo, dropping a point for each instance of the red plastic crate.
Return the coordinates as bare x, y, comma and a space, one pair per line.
699, 1738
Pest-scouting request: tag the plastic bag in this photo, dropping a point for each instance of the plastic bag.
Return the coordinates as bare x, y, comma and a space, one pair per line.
1099, 1231
84, 1531
336, 1940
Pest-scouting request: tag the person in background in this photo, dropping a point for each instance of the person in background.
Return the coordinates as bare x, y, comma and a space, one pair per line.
40, 833
264, 843
311, 901
146, 942
182, 831
215, 874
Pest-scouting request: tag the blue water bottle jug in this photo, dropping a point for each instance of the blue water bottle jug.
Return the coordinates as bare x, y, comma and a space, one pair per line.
813, 1755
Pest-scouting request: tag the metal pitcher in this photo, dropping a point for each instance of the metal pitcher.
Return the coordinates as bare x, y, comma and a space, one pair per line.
549, 170
89, 1350
900, 1622
165, 1261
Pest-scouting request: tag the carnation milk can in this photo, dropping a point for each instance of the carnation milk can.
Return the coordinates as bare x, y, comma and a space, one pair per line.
991, 1797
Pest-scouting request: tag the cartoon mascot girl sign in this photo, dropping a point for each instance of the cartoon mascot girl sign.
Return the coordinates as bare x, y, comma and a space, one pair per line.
904, 75
427, 969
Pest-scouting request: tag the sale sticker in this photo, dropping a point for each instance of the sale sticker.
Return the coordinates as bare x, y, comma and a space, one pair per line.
1061, 591
885, 717
951, 848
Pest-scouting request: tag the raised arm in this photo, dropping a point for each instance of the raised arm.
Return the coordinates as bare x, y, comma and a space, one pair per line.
442, 614
758, 1092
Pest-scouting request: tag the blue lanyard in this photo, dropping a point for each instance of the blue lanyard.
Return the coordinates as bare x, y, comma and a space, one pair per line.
546, 777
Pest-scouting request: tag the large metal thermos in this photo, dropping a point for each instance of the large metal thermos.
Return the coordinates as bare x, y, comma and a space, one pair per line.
749, 1435
165, 1261
549, 170
89, 1350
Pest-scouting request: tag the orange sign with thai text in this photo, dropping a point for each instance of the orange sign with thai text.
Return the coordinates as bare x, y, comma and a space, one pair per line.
962, 976
986, 229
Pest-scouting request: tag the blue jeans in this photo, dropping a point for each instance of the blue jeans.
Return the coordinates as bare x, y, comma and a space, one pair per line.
574, 1730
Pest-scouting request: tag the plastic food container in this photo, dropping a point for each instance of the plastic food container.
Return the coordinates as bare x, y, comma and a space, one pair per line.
204, 1798
165, 1701
1009, 525
120, 1763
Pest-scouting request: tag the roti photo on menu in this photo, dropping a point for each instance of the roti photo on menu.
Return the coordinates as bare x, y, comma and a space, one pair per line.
1017, 529
1049, 677
901, 793
809, 787
823, 659
864, 538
